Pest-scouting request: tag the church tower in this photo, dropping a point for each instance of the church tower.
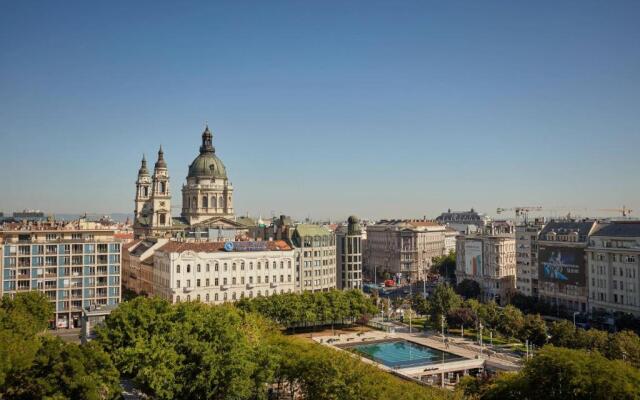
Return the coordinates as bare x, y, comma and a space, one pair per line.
143, 191
208, 193
160, 197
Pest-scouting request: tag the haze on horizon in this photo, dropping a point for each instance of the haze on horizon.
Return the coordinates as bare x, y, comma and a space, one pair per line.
377, 109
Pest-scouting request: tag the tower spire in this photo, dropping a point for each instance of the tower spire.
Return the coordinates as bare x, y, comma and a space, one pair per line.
207, 141
143, 166
161, 163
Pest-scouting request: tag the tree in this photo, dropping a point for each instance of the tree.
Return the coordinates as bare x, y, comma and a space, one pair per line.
625, 345
557, 373
461, 316
488, 314
534, 330
511, 321
445, 266
469, 289
443, 299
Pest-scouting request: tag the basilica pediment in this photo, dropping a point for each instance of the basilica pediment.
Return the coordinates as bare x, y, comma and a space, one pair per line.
219, 223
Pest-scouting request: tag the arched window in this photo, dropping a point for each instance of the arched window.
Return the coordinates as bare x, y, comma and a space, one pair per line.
162, 187
220, 202
194, 202
198, 268
162, 219
188, 268
215, 297
145, 191
214, 203
205, 202
206, 298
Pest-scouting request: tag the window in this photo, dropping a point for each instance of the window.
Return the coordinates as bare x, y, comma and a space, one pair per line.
198, 282
188, 268
205, 202
207, 267
177, 299
215, 282
206, 282
198, 268
162, 219
233, 266
224, 281
233, 280
188, 282
206, 297
178, 283
198, 297
215, 297
178, 269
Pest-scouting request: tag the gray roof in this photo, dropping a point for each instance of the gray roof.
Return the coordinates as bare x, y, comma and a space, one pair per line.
620, 229
565, 227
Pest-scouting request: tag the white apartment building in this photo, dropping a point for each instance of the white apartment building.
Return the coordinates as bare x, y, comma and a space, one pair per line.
215, 272
489, 258
613, 260
315, 248
527, 257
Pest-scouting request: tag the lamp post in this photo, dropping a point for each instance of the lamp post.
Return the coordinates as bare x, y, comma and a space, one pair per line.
574, 318
443, 320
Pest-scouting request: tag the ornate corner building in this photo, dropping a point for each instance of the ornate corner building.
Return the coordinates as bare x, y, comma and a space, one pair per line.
207, 196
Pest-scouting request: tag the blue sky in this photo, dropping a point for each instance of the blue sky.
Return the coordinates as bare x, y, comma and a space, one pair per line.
324, 109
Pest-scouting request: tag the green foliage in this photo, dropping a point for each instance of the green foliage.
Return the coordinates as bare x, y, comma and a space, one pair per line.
489, 314
321, 373
534, 329
445, 266
195, 351
623, 345
469, 289
36, 366
510, 321
563, 374
311, 308
185, 350
443, 299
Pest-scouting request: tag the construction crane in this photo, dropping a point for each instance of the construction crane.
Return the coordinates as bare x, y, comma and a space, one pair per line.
624, 210
520, 211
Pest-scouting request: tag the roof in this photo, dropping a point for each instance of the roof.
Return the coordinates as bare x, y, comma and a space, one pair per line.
212, 247
207, 165
620, 229
139, 250
311, 230
565, 227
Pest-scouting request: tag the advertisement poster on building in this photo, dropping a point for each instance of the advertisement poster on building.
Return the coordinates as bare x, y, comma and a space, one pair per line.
563, 265
473, 257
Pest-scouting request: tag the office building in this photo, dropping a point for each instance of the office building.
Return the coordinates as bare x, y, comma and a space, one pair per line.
75, 264
315, 248
349, 254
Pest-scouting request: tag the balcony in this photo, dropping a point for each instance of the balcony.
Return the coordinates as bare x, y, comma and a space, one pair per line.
187, 289
273, 284
250, 285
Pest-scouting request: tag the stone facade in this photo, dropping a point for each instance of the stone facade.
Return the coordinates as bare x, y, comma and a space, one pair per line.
527, 257
403, 248
489, 258
613, 258
315, 248
212, 273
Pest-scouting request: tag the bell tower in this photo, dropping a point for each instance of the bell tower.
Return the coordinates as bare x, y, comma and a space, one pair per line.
143, 189
160, 196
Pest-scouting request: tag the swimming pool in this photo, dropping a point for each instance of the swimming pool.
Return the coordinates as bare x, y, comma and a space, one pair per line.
401, 353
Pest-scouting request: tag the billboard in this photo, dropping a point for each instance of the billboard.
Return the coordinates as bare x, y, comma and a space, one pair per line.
473, 257
563, 265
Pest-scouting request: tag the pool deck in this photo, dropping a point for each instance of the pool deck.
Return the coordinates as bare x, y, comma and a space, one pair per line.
473, 359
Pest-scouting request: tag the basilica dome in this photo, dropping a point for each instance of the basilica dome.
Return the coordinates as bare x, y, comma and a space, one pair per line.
207, 164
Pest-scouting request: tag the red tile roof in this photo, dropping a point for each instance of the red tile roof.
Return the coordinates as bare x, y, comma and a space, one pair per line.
210, 247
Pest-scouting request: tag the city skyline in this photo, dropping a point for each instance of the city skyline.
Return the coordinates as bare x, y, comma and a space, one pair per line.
325, 110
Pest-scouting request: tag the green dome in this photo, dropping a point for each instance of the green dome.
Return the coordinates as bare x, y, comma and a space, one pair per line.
207, 165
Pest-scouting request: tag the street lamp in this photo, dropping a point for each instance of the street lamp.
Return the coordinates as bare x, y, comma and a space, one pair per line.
574, 318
